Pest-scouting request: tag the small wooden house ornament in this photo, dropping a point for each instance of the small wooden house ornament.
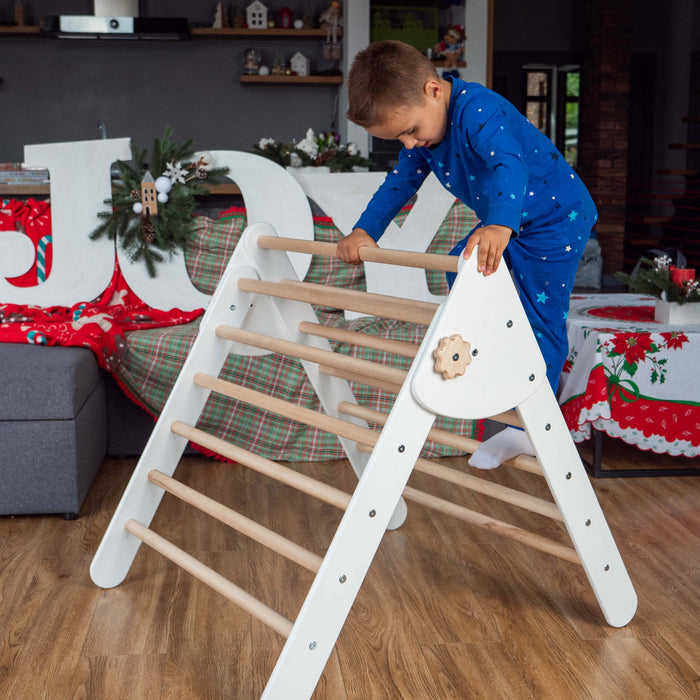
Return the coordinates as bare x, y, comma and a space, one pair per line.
256, 15
299, 64
149, 196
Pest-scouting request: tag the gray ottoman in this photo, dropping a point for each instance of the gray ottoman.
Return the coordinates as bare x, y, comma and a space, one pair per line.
53, 428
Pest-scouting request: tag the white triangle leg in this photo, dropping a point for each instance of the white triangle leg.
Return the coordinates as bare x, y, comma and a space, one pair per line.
583, 516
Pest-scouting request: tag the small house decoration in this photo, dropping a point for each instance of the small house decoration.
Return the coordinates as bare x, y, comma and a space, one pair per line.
256, 14
299, 64
149, 196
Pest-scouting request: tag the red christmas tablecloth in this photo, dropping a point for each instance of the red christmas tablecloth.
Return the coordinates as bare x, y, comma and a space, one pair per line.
631, 377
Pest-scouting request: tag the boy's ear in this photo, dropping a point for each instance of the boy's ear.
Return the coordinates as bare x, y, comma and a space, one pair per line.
432, 89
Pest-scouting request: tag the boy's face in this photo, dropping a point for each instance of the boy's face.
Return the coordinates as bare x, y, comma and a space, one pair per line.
421, 124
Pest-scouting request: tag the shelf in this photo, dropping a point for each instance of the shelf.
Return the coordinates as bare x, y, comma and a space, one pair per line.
277, 33
206, 33
15, 30
291, 80
44, 189
24, 189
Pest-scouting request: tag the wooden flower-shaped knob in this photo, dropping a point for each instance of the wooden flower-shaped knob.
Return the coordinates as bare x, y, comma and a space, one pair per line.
452, 356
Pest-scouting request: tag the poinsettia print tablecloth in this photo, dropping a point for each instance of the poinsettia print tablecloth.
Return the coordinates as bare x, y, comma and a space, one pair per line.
630, 376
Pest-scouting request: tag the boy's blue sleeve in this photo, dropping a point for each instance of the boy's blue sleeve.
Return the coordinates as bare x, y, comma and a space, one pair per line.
492, 138
398, 187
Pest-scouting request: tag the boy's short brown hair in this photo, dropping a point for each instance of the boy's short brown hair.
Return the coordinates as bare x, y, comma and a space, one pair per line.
386, 74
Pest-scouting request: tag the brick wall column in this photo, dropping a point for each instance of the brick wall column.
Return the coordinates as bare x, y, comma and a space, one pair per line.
603, 135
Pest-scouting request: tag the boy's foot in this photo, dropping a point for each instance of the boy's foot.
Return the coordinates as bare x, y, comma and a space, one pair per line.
502, 446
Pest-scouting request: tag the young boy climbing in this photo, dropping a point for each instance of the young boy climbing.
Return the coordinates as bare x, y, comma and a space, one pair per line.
534, 210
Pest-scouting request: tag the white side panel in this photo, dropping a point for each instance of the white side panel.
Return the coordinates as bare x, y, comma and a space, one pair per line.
508, 364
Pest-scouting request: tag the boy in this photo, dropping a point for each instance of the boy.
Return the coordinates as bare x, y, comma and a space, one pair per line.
534, 211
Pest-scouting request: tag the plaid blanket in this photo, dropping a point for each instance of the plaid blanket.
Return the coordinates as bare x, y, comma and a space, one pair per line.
154, 357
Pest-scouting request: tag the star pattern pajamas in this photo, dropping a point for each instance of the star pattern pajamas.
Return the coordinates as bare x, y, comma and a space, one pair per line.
495, 161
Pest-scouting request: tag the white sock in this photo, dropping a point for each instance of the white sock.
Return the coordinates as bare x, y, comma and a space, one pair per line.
502, 446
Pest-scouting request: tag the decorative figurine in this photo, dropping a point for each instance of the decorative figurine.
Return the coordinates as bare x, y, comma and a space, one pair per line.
285, 18
331, 20
451, 47
252, 62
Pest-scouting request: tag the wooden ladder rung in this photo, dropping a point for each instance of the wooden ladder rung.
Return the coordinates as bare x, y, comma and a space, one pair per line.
498, 526
214, 580
339, 298
361, 435
284, 475
429, 306
443, 437
305, 352
396, 347
487, 488
237, 521
405, 258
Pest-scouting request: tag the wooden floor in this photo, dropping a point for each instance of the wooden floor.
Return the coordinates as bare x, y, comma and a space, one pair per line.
447, 610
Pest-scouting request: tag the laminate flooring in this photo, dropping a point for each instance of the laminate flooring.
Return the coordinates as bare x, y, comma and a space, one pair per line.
447, 610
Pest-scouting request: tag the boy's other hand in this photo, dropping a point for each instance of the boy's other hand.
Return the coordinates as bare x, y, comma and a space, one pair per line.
348, 249
492, 241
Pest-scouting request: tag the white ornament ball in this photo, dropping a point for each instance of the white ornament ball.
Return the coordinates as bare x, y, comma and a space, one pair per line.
162, 197
298, 24
138, 207
263, 70
163, 184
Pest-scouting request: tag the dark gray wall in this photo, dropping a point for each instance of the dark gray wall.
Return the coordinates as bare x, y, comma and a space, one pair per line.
58, 90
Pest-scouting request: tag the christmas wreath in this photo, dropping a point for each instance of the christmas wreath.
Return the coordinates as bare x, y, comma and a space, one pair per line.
154, 216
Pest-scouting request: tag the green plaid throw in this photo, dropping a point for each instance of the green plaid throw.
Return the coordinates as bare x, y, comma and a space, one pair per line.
154, 357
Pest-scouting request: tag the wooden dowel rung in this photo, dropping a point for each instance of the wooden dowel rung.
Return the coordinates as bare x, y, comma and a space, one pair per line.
214, 580
443, 437
488, 488
513, 532
396, 347
301, 414
429, 306
428, 261
508, 417
305, 352
237, 521
284, 475
339, 298
389, 387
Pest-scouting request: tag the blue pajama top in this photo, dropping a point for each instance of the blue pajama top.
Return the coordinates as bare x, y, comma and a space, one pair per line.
495, 161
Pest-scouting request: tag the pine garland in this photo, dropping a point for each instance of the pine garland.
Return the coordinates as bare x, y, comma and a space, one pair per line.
146, 238
654, 278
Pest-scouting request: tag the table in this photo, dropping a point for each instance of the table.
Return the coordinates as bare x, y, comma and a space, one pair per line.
631, 377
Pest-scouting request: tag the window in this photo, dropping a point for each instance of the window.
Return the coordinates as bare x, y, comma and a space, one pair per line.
552, 104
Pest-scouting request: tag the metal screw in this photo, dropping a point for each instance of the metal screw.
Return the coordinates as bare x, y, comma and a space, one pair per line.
232, 307
402, 448
568, 475
475, 352
548, 426
312, 646
607, 567
588, 522
372, 513
509, 324
532, 377
455, 357
343, 578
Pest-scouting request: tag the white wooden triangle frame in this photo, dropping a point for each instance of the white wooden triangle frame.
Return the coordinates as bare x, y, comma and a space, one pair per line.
485, 311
